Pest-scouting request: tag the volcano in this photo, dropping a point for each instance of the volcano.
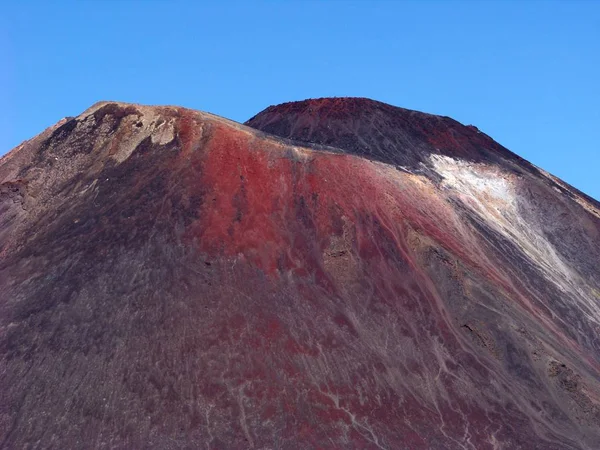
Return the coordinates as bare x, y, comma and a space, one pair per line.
335, 273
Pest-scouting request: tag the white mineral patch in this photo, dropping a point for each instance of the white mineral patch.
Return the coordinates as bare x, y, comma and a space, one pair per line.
478, 181
490, 193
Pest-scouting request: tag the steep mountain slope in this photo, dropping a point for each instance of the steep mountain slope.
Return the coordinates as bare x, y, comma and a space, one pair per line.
171, 279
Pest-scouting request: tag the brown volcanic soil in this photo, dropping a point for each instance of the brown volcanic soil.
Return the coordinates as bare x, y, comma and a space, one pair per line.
171, 279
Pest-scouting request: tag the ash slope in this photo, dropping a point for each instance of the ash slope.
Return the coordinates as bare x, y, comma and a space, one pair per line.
171, 279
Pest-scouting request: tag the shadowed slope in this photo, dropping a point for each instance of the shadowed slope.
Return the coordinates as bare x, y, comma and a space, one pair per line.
172, 279
377, 130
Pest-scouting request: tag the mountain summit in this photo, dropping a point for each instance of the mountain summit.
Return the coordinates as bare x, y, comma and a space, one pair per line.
336, 273
377, 130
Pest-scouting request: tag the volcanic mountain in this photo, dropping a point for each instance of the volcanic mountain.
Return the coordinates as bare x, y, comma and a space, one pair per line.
336, 273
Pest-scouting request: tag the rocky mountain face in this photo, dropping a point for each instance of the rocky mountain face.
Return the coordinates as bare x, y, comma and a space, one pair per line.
336, 273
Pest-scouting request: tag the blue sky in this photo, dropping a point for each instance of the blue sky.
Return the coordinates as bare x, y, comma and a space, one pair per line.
526, 73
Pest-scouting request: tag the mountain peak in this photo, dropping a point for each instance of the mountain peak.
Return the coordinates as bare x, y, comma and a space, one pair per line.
334, 106
377, 130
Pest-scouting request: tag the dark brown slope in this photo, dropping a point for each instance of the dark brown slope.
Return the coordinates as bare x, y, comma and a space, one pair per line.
377, 130
171, 279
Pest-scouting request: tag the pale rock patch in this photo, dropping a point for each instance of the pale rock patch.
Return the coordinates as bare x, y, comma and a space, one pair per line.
491, 193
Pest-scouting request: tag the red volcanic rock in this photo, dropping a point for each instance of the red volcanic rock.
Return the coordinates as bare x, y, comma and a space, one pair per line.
380, 278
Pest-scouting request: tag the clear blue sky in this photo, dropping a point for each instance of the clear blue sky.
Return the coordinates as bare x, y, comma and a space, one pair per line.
526, 73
